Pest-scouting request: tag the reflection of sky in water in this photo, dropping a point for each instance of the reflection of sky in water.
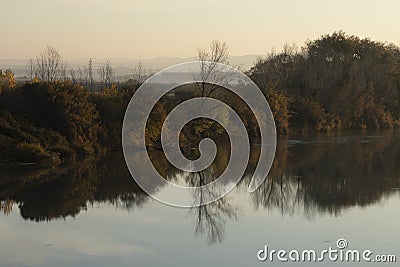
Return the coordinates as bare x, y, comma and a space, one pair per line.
353, 198
158, 235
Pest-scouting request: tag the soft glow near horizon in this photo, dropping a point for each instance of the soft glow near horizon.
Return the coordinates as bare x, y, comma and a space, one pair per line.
152, 28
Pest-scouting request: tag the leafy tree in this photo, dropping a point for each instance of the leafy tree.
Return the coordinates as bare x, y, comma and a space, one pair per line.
7, 80
336, 81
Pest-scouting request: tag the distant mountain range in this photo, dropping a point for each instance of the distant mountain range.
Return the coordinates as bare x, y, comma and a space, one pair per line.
124, 67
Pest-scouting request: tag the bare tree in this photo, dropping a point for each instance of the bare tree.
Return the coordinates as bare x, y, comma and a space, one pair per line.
63, 72
139, 73
106, 73
72, 74
90, 74
81, 75
85, 75
110, 78
31, 70
102, 74
209, 59
50, 65
218, 53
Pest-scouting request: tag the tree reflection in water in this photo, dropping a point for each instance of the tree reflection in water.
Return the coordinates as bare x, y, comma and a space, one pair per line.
319, 175
211, 218
327, 175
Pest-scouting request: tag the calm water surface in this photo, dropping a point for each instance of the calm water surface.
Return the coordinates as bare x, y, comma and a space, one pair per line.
320, 188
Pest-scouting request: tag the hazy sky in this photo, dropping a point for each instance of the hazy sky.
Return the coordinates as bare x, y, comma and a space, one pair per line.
152, 28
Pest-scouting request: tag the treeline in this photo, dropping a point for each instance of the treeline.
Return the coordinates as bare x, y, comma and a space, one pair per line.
335, 82
49, 66
50, 122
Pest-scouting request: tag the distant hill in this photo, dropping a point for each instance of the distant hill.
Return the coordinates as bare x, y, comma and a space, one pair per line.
126, 66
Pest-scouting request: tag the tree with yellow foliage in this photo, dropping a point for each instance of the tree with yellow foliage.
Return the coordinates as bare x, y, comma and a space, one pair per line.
7, 80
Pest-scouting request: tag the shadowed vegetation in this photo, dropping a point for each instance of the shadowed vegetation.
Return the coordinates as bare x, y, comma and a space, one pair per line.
335, 82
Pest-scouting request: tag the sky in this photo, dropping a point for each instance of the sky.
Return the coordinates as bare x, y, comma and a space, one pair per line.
145, 29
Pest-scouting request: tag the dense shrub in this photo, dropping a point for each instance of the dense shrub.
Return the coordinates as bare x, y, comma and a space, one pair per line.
111, 105
24, 143
35, 153
336, 81
307, 115
61, 107
279, 104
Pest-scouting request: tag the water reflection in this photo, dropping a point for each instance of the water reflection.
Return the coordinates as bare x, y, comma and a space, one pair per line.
310, 175
58, 193
211, 219
326, 175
